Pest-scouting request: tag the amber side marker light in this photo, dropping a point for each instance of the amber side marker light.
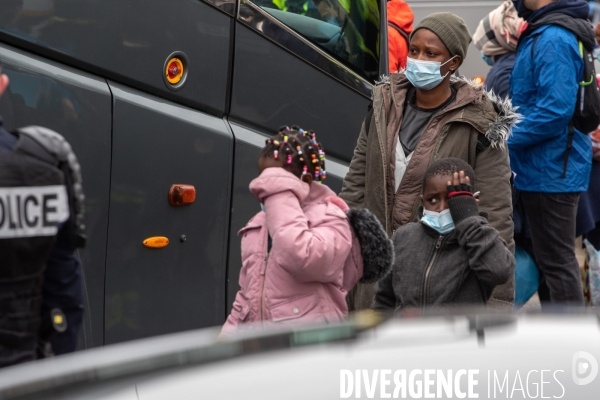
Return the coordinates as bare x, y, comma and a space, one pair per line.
156, 242
174, 71
479, 80
181, 195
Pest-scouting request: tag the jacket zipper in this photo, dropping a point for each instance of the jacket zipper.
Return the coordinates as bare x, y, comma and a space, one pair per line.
437, 247
263, 272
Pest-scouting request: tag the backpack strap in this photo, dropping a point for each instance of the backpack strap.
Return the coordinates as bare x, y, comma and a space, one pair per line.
400, 31
571, 123
535, 39
583, 83
482, 143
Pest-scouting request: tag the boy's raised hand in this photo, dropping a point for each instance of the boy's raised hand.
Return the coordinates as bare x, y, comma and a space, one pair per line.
460, 185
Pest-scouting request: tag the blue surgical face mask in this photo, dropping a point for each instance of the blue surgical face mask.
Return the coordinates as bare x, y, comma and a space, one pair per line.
424, 74
441, 222
488, 60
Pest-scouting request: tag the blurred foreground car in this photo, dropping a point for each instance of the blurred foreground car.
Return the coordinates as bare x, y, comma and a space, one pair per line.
468, 356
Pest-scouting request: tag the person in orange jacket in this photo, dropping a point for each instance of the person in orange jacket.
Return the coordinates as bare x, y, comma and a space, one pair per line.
400, 19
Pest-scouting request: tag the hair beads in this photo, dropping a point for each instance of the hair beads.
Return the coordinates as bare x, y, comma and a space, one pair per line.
303, 153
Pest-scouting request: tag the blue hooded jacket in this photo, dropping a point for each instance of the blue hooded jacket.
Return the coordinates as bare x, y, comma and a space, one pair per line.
544, 87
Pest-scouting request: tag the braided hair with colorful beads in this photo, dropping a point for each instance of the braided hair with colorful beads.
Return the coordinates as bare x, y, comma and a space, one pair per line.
299, 151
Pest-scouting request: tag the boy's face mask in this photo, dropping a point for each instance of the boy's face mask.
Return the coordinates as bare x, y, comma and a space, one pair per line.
440, 221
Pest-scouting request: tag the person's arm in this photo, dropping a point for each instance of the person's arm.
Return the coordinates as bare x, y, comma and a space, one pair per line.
310, 254
489, 257
353, 187
385, 298
557, 74
492, 179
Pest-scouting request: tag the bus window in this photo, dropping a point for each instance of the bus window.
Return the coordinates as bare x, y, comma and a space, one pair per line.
346, 29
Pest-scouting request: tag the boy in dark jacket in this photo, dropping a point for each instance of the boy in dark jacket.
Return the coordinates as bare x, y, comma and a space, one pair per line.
453, 256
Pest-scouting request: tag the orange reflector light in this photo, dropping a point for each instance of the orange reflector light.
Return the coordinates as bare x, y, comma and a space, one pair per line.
180, 195
479, 80
156, 242
174, 71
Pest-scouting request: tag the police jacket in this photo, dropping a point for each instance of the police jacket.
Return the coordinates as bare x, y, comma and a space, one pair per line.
35, 200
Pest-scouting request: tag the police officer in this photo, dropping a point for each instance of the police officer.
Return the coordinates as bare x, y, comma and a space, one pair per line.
41, 226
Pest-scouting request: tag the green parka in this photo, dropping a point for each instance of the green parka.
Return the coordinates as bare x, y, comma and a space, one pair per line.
474, 128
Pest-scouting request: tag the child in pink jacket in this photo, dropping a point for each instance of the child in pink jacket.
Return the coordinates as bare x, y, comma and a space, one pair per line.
300, 256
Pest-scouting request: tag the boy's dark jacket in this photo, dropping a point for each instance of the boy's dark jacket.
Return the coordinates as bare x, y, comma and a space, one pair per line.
462, 267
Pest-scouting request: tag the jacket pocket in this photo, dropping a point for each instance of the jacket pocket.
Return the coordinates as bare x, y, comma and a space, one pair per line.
304, 309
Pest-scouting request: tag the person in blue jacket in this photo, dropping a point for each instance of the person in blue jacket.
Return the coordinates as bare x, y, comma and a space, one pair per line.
544, 85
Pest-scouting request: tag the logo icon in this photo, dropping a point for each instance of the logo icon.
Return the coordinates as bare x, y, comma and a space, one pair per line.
585, 368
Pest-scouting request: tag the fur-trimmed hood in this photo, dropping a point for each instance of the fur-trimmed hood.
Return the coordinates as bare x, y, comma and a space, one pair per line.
496, 126
489, 114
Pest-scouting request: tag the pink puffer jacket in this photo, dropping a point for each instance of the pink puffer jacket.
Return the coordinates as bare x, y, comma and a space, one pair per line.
314, 260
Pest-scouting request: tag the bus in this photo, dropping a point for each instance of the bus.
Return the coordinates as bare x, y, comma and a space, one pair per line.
156, 95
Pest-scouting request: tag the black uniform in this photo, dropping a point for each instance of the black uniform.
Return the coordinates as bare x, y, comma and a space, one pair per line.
41, 225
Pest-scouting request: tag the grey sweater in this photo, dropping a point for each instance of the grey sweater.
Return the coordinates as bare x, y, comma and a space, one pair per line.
462, 267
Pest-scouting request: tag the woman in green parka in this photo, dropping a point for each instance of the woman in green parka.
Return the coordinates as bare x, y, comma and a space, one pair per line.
423, 114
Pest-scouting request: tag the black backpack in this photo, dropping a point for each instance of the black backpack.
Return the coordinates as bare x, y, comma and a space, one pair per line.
587, 109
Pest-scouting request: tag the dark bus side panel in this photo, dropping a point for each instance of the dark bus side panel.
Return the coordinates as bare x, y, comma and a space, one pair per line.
129, 41
181, 286
77, 105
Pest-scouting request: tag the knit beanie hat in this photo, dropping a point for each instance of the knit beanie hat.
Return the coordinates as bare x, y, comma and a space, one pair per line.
498, 33
452, 31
